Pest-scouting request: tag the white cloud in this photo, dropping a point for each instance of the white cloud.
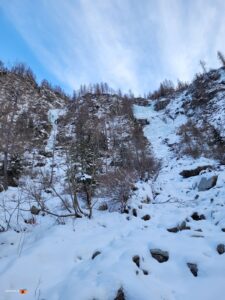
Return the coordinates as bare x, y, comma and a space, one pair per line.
129, 44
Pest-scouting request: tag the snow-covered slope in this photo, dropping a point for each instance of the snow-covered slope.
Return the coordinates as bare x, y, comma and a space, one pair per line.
171, 216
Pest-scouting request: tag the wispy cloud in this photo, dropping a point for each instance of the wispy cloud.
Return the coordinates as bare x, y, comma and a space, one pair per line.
129, 44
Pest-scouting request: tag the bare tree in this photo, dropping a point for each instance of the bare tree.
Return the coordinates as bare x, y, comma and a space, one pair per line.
203, 66
221, 58
118, 186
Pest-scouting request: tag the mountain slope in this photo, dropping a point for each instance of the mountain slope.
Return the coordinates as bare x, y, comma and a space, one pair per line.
167, 243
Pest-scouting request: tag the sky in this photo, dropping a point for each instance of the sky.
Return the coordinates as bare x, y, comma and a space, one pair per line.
130, 44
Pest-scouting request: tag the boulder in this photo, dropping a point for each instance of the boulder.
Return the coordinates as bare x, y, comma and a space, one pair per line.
207, 183
136, 260
160, 255
146, 217
134, 212
193, 268
221, 248
196, 217
145, 272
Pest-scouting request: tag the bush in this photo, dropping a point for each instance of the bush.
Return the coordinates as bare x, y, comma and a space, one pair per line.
200, 140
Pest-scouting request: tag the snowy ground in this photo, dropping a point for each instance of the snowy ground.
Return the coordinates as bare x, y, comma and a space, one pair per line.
54, 262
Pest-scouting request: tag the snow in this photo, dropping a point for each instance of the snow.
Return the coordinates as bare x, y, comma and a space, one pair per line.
53, 116
160, 129
54, 261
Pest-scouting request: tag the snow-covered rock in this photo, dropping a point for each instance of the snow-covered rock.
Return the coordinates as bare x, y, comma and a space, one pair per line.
207, 183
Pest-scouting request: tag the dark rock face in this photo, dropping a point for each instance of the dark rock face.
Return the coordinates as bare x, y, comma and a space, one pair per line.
196, 217
207, 183
120, 295
160, 255
193, 172
96, 253
136, 260
193, 268
221, 248
223, 229
146, 217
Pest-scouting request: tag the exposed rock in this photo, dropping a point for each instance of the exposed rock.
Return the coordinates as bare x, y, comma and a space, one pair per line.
96, 253
46, 153
136, 260
34, 210
120, 295
47, 191
193, 268
146, 217
196, 217
134, 188
143, 122
221, 248
194, 172
159, 255
134, 212
145, 272
207, 183
180, 227
103, 206
223, 229
173, 229
125, 211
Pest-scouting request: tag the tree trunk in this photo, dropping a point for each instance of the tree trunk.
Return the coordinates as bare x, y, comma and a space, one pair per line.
88, 199
5, 170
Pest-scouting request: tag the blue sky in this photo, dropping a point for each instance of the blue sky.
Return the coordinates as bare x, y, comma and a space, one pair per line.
131, 44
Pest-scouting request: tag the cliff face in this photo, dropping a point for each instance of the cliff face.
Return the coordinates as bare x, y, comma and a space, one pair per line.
24, 119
